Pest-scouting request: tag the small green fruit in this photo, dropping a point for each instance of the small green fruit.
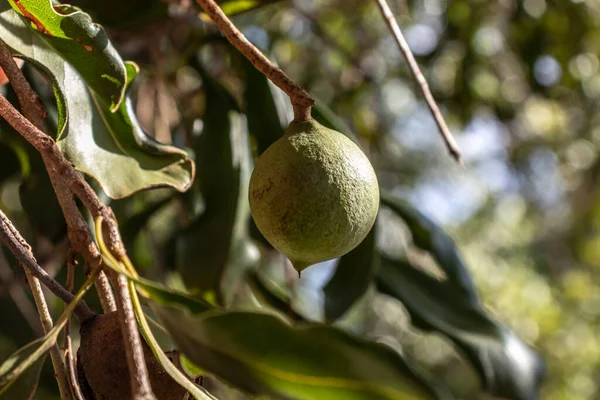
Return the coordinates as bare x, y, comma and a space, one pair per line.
313, 194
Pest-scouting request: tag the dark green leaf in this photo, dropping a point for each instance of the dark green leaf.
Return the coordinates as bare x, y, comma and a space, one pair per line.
110, 147
271, 296
266, 116
216, 244
428, 236
263, 355
134, 224
353, 275
507, 366
82, 43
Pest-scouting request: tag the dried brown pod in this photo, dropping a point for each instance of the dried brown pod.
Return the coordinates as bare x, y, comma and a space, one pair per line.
102, 365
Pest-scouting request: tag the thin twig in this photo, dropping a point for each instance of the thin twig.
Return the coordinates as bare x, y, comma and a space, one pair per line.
82, 241
60, 371
18, 295
68, 346
301, 100
140, 384
390, 20
22, 252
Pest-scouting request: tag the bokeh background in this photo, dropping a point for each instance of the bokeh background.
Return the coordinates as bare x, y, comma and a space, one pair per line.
519, 85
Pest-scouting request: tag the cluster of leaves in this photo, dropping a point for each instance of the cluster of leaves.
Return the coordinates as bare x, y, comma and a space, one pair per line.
235, 317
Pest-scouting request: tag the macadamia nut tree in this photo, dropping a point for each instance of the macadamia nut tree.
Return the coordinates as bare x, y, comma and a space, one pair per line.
164, 182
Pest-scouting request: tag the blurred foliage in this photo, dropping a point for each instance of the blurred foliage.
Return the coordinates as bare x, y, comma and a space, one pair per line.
518, 82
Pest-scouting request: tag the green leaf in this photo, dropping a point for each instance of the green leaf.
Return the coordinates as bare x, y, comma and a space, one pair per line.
82, 43
24, 386
266, 115
134, 224
189, 367
265, 356
271, 296
214, 251
507, 366
353, 276
110, 147
430, 237
113, 148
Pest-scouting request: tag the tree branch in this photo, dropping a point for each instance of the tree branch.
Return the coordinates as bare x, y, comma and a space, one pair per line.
58, 363
79, 232
59, 167
140, 384
451, 144
105, 293
64, 177
68, 346
301, 100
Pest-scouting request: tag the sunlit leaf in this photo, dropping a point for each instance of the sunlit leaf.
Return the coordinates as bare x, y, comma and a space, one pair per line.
110, 147
428, 236
265, 356
82, 43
